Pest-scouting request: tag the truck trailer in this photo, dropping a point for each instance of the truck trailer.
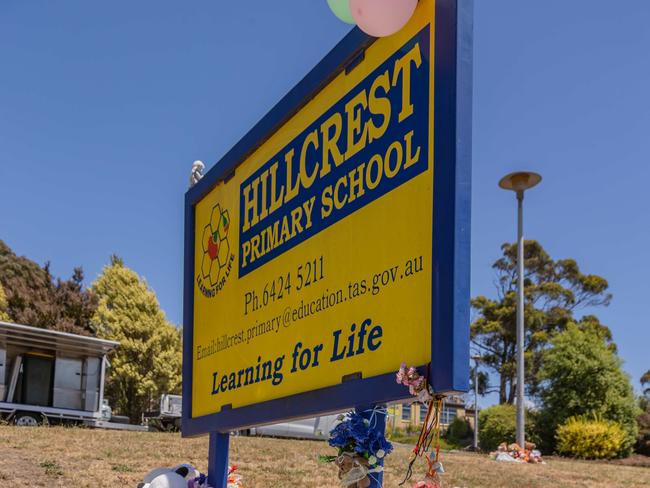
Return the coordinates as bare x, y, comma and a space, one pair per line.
168, 417
48, 377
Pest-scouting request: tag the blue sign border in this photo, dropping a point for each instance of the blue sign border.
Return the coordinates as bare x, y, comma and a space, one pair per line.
451, 230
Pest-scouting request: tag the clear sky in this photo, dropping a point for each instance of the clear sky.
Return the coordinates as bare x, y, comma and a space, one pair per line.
104, 106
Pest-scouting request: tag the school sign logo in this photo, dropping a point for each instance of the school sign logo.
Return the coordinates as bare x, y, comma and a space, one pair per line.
217, 259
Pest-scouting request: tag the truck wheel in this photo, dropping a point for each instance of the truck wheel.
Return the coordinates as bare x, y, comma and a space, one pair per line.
27, 419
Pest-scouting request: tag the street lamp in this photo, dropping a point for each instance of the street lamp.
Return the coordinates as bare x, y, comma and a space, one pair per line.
520, 182
475, 442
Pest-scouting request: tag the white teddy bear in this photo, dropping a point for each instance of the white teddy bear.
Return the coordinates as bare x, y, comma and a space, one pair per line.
185, 476
170, 477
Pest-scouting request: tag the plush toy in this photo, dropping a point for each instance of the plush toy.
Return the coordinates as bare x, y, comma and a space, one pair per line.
185, 476
177, 477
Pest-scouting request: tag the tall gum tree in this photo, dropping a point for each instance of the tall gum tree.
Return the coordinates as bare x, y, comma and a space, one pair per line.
553, 292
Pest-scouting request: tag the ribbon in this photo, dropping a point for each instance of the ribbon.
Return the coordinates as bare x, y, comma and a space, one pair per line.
372, 421
430, 434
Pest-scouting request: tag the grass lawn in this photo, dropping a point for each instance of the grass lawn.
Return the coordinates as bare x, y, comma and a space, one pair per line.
71, 457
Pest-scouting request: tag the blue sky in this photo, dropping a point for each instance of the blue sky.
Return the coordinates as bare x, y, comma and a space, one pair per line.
104, 106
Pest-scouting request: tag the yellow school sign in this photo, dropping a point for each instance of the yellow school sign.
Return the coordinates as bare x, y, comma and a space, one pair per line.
312, 258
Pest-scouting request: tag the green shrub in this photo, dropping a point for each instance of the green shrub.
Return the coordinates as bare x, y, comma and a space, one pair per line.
408, 435
582, 375
590, 438
459, 432
411, 434
498, 424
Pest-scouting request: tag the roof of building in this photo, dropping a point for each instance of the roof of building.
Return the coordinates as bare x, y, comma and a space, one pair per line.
53, 340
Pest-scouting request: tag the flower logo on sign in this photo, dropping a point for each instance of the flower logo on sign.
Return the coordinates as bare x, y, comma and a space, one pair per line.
216, 248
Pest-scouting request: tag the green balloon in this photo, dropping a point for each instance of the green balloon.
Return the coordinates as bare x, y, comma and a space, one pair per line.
341, 9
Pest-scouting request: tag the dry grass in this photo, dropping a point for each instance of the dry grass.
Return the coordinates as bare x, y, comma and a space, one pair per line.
65, 457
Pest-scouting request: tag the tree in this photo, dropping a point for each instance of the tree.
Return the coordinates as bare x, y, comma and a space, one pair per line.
582, 375
35, 298
643, 420
645, 383
643, 439
553, 292
644, 399
74, 303
4, 316
498, 424
148, 361
482, 379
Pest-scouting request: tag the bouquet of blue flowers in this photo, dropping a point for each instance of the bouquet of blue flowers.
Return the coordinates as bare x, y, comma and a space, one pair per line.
360, 449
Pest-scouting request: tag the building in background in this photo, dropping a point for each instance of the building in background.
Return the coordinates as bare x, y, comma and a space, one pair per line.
405, 415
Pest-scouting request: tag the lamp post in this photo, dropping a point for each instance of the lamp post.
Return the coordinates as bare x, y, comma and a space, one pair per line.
475, 443
520, 182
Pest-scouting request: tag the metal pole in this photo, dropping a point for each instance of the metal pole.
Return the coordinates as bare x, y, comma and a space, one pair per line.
521, 437
377, 421
218, 459
476, 406
102, 380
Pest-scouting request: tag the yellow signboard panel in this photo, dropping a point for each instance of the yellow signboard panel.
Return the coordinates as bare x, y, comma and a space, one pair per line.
313, 259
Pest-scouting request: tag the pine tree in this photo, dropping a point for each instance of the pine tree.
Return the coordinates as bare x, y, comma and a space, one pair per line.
148, 361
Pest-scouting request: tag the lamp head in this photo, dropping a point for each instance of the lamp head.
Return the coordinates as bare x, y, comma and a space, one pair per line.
520, 181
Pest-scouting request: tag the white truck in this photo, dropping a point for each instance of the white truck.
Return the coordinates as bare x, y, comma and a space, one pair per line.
168, 417
49, 377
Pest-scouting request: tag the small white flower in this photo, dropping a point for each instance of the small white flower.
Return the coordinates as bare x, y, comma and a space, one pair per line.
381, 453
372, 460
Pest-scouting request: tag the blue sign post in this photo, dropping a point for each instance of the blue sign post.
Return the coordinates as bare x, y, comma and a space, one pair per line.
432, 142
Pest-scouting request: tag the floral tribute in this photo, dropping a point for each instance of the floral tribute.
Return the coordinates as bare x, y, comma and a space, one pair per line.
234, 479
416, 383
361, 449
201, 481
428, 445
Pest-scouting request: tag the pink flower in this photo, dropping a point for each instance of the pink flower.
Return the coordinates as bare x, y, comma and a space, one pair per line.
426, 483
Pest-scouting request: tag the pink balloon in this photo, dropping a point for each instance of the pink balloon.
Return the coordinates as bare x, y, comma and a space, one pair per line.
381, 18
